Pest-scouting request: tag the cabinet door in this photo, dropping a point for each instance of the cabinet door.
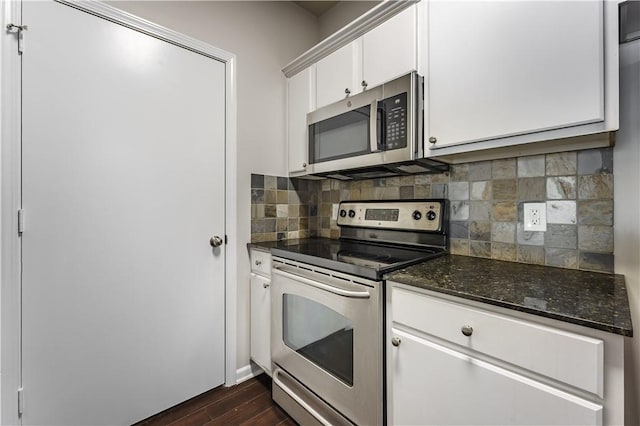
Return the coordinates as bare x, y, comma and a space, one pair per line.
389, 50
261, 322
337, 73
433, 384
499, 68
300, 89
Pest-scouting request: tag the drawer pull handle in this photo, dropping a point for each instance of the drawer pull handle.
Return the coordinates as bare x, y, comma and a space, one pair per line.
467, 330
265, 285
258, 262
395, 341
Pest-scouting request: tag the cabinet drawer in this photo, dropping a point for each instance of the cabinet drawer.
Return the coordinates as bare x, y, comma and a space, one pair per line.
260, 262
564, 356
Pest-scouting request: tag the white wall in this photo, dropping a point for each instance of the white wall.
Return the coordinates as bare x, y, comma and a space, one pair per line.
627, 218
341, 14
265, 36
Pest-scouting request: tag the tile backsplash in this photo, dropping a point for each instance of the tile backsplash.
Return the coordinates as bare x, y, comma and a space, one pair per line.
486, 207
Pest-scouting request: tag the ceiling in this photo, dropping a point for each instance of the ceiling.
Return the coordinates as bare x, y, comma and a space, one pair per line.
316, 7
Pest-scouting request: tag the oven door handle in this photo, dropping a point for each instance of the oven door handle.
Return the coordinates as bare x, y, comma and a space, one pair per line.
296, 398
322, 286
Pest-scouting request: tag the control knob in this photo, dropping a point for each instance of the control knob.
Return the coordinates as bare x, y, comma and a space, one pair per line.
352, 213
417, 215
431, 215
343, 213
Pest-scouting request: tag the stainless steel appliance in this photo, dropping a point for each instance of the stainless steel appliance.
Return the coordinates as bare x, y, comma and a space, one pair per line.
376, 133
327, 299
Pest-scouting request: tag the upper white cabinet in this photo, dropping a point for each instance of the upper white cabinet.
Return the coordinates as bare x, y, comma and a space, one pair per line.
517, 71
389, 50
336, 74
300, 101
381, 54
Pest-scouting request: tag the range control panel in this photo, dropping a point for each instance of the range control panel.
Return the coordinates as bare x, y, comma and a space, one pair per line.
414, 215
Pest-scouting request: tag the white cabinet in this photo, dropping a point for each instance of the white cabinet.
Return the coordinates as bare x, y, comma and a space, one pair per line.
518, 71
300, 101
381, 54
260, 293
336, 74
450, 362
389, 50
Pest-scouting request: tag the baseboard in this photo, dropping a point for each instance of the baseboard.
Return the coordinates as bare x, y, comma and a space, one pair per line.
247, 372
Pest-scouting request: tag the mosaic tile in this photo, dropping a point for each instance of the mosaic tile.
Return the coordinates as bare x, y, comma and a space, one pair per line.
335, 195
257, 226
480, 210
423, 179
503, 232
504, 211
283, 183
595, 212
386, 193
294, 210
561, 188
459, 246
480, 249
459, 210
281, 224
459, 190
531, 189
269, 225
529, 238
561, 236
480, 190
439, 190
282, 196
407, 180
406, 192
531, 166
593, 187
595, 238
600, 262
282, 210
595, 161
270, 196
459, 172
531, 254
561, 212
564, 258
503, 251
440, 178
504, 189
459, 229
503, 169
480, 171
257, 195
270, 182
270, 210
480, 231
563, 163
257, 181
422, 191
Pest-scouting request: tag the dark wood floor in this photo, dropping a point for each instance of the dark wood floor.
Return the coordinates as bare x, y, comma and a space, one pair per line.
248, 403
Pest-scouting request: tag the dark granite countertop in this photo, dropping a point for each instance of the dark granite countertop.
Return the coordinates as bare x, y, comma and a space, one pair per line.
268, 245
589, 299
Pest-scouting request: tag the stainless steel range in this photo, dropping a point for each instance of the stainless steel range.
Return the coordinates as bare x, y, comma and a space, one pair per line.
328, 308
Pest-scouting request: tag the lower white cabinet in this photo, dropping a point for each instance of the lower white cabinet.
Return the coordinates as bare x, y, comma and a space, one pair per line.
454, 363
260, 294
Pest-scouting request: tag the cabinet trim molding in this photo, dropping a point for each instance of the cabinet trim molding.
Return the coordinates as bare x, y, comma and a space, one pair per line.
347, 34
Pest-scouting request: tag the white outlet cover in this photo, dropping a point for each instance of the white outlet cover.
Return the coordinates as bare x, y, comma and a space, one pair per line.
535, 217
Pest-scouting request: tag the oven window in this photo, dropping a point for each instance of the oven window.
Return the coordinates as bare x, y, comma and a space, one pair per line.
346, 135
320, 334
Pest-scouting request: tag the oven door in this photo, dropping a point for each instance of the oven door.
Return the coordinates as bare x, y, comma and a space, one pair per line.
327, 334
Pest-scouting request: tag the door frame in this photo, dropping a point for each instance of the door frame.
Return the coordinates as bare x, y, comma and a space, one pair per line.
10, 187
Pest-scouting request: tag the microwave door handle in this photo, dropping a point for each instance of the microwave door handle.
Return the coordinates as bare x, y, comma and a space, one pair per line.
373, 126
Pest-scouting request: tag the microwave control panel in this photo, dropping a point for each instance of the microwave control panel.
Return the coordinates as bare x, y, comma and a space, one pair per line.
394, 122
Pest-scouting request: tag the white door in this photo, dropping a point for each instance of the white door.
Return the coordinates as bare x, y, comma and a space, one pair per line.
123, 186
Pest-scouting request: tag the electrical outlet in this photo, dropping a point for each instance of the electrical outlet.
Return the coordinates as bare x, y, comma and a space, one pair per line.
535, 216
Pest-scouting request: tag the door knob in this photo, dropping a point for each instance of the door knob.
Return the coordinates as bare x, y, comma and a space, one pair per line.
395, 341
216, 241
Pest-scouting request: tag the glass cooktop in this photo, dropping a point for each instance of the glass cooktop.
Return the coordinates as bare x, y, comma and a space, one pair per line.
363, 259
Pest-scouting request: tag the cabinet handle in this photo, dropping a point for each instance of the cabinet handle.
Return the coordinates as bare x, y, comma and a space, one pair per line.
347, 91
265, 285
433, 140
467, 330
395, 341
304, 165
364, 84
258, 262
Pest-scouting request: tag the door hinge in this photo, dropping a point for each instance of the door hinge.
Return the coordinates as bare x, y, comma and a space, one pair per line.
20, 402
19, 31
20, 221
225, 240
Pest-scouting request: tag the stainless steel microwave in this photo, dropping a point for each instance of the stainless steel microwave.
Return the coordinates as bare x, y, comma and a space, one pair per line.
375, 133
